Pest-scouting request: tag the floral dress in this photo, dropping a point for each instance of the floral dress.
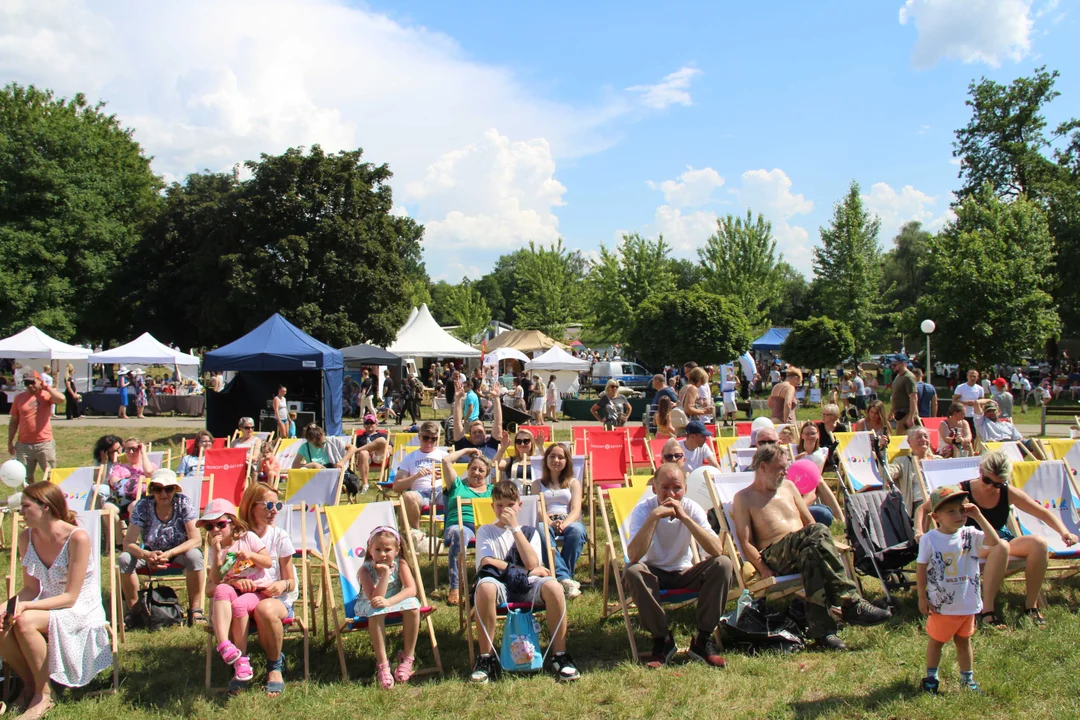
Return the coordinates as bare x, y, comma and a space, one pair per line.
363, 608
140, 391
79, 646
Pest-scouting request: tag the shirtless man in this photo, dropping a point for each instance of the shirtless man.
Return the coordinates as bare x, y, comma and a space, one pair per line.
770, 514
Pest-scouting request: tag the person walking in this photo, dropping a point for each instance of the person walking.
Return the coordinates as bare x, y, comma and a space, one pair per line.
281, 412
31, 422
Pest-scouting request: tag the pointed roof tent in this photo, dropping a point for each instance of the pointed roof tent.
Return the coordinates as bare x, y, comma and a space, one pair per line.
277, 344
526, 341
144, 350
412, 316
422, 337
558, 359
32, 343
772, 339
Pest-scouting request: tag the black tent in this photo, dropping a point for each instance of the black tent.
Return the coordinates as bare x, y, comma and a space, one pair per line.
369, 355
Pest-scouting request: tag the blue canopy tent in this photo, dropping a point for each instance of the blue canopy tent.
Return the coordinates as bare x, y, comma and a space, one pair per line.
276, 352
771, 340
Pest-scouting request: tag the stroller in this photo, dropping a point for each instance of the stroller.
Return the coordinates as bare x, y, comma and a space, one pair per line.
882, 535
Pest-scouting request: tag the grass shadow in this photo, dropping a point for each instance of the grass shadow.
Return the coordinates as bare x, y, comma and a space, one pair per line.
849, 705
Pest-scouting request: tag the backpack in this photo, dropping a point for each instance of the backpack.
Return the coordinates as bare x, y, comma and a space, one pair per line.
754, 627
157, 608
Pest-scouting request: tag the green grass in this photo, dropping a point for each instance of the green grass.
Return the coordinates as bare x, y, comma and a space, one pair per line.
1025, 671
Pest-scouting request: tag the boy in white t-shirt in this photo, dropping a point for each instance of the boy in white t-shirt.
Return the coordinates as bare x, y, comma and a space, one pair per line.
950, 593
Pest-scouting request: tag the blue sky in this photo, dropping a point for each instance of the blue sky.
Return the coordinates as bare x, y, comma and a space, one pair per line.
511, 122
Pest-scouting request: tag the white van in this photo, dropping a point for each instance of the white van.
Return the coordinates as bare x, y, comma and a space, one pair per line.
629, 374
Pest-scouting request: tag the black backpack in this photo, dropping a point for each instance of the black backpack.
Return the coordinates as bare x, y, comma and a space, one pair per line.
157, 608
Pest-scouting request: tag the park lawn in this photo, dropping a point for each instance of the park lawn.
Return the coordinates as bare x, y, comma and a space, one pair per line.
162, 674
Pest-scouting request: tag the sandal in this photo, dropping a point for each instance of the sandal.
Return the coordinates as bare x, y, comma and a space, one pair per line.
229, 652
195, 617
990, 620
242, 669
404, 670
274, 688
1035, 616
382, 674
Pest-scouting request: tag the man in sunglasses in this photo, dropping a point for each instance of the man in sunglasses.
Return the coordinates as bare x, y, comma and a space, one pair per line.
413, 476
31, 422
991, 428
696, 447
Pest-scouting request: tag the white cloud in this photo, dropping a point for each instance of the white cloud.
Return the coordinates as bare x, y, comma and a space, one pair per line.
684, 231
693, 187
988, 31
769, 192
672, 90
895, 209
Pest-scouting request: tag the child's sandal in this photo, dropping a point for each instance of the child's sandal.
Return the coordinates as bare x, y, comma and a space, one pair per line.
229, 652
382, 674
404, 671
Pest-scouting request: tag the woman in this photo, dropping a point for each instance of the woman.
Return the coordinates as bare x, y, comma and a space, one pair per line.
562, 498
847, 391
59, 631
189, 464
72, 409
125, 479
247, 437
810, 445
519, 395
993, 496
539, 400
517, 466
552, 399
696, 399
140, 392
829, 424
475, 485
906, 472
259, 507
123, 382
664, 428
281, 412
319, 451
107, 452
162, 531
875, 420
612, 408
954, 434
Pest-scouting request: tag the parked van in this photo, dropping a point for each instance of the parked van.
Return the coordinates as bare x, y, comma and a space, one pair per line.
628, 374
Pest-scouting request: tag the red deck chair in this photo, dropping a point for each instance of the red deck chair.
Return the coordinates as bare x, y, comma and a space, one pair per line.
229, 466
541, 433
743, 427
711, 427
638, 443
932, 424
656, 449
579, 439
219, 444
607, 461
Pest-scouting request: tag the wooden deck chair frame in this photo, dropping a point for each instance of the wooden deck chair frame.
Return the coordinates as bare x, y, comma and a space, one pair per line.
676, 599
348, 626
1059, 566
466, 611
298, 625
588, 489
322, 598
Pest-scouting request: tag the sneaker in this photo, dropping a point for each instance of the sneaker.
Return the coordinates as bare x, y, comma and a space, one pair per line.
930, 685
830, 642
487, 668
973, 687
561, 665
364, 488
861, 612
706, 651
571, 587
663, 650
418, 537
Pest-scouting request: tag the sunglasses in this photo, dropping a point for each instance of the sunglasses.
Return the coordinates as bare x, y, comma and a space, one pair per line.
248, 427
221, 524
162, 488
672, 457
131, 449
766, 442
274, 506
429, 438
988, 481
522, 441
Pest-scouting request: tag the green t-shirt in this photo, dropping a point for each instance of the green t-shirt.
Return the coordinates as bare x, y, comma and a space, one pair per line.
460, 490
310, 453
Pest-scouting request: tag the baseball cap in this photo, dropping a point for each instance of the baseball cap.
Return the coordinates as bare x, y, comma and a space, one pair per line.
369, 418
991, 406
899, 357
28, 374
944, 494
695, 427
217, 508
1000, 382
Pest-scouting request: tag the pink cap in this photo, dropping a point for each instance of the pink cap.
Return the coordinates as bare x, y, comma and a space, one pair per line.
217, 508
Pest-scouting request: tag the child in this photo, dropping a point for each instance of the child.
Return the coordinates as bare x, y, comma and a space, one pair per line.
292, 423
948, 580
238, 563
387, 586
508, 562
269, 470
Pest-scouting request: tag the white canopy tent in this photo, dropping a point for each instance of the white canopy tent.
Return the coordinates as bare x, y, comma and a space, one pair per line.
31, 343
504, 353
564, 366
145, 350
423, 338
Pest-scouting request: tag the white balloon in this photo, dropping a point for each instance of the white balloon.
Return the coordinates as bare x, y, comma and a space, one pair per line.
14, 501
696, 489
13, 473
762, 422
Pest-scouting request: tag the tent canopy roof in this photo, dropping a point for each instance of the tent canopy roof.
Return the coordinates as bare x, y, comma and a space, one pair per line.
369, 355
422, 337
277, 344
145, 350
772, 339
32, 343
557, 359
526, 341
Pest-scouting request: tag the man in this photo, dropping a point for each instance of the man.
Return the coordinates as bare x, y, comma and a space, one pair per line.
905, 398
660, 387
478, 437
991, 428
749, 377
967, 394
927, 395
906, 470
782, 401
727, 393
770, 514
859, 388
472, 402
372, 446
413, 476
31, 421
764, 436
696, 447
526, 390
662, 527
774, 375
367, 393
1003, 399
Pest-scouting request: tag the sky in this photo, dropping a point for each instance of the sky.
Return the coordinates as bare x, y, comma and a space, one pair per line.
506, 123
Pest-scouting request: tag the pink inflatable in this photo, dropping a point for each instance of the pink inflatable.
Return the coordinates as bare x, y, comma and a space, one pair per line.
805, 474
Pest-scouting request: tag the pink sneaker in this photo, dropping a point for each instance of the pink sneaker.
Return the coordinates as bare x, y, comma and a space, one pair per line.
404, 670
382, 674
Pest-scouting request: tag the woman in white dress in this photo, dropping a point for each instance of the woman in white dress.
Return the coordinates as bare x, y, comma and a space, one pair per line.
59, 631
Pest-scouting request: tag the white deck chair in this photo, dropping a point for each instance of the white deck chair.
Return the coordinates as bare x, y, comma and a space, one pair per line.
77, 484
537, 462
90, 521
861, 468
286, 453
1048, 483
1012, 449
197, 487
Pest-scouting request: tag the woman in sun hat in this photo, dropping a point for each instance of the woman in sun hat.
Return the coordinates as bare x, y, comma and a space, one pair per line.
123, 382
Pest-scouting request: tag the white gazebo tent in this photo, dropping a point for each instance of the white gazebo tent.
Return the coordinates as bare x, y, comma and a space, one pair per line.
422, 337
33, 349
144, 350
564, 366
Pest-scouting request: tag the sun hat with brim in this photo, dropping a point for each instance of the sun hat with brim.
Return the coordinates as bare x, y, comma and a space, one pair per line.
217, 508
165, 477
944, 494
122, 371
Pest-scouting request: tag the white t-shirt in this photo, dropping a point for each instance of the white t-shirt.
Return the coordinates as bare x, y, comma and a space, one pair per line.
496, 542
860, 386
280, 545
967, 393
774, 376
953, 585
670, 548
727, 388
696, 458
553, 393
419, 459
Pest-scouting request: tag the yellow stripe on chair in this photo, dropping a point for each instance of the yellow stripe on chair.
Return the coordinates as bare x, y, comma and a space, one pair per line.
843, 438
298, 479
59, 475
483, 511
1058, 448
623, 501
1022, 472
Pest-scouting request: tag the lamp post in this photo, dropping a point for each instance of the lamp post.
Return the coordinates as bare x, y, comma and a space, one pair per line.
928, 327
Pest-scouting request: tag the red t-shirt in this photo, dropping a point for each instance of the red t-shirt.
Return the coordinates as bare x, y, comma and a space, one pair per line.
34, 411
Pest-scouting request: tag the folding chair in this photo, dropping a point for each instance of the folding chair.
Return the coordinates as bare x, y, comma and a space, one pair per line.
580, 433
285, 453
622, 502
861, 469
230, 468
898, 447
743, 428
932, 424
724, 448
91, 522
219, 444
1013, 450
200, 488
435, 518
532, 513
349, 527
541, 433
608, 466
1062, 449
319, 486
1049, 483
160, 458
77, 484
638, 446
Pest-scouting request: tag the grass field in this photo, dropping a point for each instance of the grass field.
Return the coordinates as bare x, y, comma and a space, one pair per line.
1026, 672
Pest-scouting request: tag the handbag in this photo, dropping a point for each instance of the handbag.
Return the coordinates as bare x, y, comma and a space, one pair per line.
157, 608
678, 418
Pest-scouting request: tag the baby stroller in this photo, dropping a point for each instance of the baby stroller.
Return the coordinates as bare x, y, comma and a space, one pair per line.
882, 535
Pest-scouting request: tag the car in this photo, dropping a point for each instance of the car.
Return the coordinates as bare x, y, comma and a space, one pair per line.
629, 374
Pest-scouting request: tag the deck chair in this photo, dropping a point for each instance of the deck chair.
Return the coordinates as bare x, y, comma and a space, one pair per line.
580, 432
743, 428
160, 458
898, 447
537, 464
1013, 450
932, 424
296, 625
656, 449
861, 469
321, 486
608, 465
200, 488
77, 484
540, 433
348, 529
219, 444
532, 513
723, 448
437, 518
1060, 449
285, 453
638, 445
230, 468
741, 458
1049, 484
90, 521
622, 502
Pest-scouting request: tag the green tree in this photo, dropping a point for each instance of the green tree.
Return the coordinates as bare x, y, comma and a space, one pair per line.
624, 278
688, 273
439, 306
550, 291
309, 235
468, 311
793, 293
740, 261
677, 327
499, 287
992, 270
848, 266
76, 194
818, 342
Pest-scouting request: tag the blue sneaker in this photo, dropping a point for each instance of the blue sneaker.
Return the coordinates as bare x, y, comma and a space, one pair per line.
930, 685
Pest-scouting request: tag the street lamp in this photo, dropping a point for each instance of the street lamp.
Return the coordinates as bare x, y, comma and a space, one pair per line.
928, 328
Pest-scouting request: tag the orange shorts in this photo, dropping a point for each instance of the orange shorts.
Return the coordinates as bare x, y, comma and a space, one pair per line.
944, 628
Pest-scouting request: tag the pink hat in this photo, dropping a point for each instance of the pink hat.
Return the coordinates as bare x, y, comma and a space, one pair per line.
805, 474
217, 508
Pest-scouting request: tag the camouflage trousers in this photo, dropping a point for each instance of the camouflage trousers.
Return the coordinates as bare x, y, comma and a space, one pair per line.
810, 552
